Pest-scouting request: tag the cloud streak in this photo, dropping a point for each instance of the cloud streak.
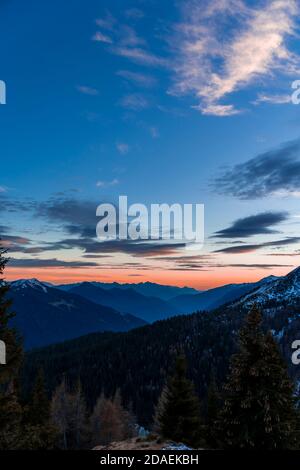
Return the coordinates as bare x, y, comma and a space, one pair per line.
273, 173
138, 78
211, 65
258, 224
242, 249
86, 90
122, 148
134, 102
48, 263
100, 37
107, 184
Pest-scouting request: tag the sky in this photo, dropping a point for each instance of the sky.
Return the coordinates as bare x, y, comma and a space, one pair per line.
165, 102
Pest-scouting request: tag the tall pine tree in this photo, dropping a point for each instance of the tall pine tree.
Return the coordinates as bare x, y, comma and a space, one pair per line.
37, 431
259, 409
178, 410
38, 412
8, 371
10, 410
213, 401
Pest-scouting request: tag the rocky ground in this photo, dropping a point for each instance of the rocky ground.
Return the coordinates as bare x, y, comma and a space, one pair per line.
149, 443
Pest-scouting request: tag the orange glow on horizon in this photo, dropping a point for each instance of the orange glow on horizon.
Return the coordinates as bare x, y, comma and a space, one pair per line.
197, 279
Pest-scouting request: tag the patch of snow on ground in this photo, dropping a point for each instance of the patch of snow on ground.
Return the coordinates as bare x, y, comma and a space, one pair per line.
177, 447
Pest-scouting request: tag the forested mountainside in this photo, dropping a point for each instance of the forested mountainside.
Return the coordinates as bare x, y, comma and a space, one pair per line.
137, 362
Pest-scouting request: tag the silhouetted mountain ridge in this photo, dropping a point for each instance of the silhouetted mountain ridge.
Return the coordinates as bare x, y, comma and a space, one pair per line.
46, 315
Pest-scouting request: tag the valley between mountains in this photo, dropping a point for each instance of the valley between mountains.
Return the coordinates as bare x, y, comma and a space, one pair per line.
134, 352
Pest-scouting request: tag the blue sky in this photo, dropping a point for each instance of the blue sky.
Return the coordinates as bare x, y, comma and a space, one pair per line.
161, 101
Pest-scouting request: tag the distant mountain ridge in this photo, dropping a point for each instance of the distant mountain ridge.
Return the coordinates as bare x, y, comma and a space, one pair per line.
148, 289
128, 297
208, 339
46, 315
128, 300
214, 298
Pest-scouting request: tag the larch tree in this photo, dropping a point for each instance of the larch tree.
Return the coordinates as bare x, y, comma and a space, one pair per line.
110, 421
60, 404
77, 417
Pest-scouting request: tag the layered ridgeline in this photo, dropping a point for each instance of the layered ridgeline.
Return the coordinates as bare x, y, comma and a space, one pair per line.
153, 302
148, 289
46, 315
126, 301
137, 361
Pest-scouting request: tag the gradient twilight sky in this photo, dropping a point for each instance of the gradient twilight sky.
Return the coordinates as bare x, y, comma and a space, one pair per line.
163, 101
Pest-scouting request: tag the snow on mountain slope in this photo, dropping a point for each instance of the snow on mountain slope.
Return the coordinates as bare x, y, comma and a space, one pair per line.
214, 298
284, 289
33, 283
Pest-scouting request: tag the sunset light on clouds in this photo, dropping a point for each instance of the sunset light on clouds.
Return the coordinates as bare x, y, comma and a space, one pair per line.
188, 102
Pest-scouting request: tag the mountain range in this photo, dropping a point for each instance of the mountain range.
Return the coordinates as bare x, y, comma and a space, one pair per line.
148, 289
139, 360
126, 300
48, 313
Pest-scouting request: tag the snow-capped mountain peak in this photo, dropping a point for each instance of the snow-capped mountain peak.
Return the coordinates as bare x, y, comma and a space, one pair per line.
32, 283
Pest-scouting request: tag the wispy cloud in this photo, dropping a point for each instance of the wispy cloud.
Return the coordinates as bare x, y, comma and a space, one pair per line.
273, 99
211, 65
107, 184
154, 132
259, 224
137, 78
125, 41
122, 148
101, 37
140, 56
273, 173
134, 102
129, 37
15, 205
49, 263
107, 22
242, 249
87, 90
134, 13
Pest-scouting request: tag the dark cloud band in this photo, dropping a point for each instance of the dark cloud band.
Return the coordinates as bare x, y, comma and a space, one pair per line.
270, 173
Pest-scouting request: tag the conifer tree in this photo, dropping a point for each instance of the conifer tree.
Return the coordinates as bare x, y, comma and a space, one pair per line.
10, 420
10, 410
39, 405
212, 412
259, 410
178, 410
37, 431
8, 335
